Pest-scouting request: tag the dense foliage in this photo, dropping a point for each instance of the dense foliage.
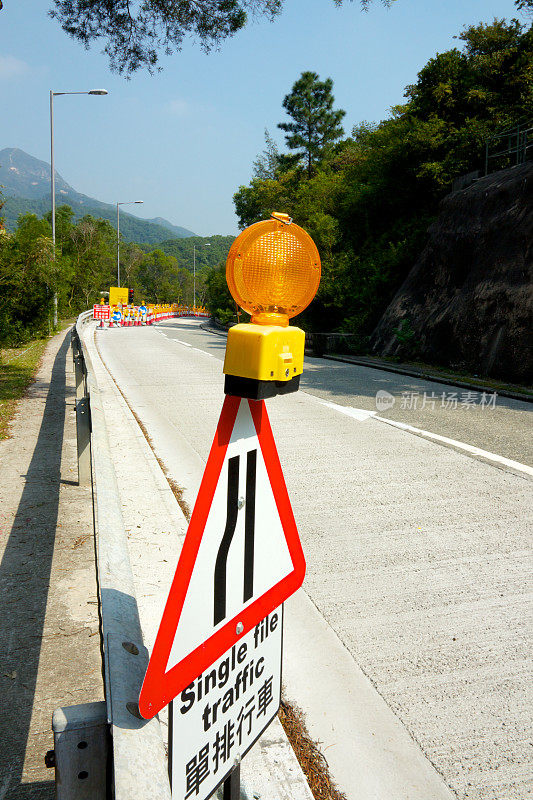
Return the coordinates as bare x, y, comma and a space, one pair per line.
135, 35
83, 266
209, 251
132, 229
371, 197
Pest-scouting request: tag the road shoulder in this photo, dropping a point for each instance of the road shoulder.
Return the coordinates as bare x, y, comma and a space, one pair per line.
48, 603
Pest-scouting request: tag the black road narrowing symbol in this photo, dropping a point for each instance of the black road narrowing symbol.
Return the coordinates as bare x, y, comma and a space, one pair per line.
220, 576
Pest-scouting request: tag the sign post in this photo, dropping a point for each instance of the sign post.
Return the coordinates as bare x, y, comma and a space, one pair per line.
217, 655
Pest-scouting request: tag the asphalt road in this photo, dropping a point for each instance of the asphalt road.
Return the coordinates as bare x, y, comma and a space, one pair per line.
417, 553
497, 424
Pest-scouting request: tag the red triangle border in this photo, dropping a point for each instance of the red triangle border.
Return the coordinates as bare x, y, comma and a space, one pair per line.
159, 686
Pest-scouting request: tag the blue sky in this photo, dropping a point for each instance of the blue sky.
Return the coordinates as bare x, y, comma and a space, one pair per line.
185, 139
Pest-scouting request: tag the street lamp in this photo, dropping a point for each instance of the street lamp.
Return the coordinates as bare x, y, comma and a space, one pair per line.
128, 203
52, 172
205, 244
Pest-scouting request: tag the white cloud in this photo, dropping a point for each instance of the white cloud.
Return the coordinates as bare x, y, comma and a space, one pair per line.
179, 108
11, 67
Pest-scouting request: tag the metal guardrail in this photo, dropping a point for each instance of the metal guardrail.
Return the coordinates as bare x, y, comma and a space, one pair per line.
137, 766
316, 344
321, 344
513, 147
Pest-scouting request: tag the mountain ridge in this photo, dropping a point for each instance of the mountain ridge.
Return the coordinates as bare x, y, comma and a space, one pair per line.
26, 189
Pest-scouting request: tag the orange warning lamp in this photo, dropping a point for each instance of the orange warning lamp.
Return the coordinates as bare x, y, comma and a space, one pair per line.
273, 273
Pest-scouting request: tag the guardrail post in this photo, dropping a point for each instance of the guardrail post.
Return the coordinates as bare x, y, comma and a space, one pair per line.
83, 434
80, 754
80, 376
75, 349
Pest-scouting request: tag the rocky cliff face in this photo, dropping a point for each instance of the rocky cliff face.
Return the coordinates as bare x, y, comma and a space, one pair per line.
468, 301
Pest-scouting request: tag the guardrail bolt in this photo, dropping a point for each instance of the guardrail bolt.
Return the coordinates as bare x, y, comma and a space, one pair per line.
133, 708
131, 648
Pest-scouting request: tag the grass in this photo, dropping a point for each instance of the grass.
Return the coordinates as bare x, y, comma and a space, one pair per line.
18, 366
312, 760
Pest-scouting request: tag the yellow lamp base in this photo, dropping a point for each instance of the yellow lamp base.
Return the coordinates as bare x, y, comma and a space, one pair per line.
264, 352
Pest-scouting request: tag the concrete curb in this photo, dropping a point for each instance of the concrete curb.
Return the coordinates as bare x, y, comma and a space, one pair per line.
133, 738
414, 373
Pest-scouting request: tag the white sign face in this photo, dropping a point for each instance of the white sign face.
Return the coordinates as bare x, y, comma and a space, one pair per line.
240, 560
219, 716
213, 599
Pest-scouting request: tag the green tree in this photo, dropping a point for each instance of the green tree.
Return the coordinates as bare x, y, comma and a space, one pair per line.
219, 300
135, 34
2, 203
64, 223
26, 280
158, 278
371, 198
315, 126
92, 254
131, 256
266, 166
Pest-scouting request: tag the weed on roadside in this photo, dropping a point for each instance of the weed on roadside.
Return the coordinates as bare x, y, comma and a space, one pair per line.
17, 371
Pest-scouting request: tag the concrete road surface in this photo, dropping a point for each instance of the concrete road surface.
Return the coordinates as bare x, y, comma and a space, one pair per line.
417, 549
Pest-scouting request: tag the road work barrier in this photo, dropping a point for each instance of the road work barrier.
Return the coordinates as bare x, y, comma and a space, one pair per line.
106, 750
127, 316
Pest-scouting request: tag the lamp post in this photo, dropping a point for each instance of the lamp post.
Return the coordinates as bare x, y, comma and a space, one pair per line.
205, 244
128, 203
52, 172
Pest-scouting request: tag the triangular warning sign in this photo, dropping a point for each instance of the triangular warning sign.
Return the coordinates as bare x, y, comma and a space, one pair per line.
241, 557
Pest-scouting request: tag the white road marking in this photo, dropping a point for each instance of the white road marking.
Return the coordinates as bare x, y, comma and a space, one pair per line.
468, 448
357, 413
179, 341
204, 352
362, 414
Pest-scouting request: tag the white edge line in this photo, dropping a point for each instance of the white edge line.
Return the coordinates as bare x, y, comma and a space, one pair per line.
475, 451
361, 415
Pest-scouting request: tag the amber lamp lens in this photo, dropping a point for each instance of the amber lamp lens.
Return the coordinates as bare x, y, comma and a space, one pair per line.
273, 271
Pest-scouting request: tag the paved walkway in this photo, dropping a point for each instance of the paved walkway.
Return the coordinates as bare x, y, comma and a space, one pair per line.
49, 642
